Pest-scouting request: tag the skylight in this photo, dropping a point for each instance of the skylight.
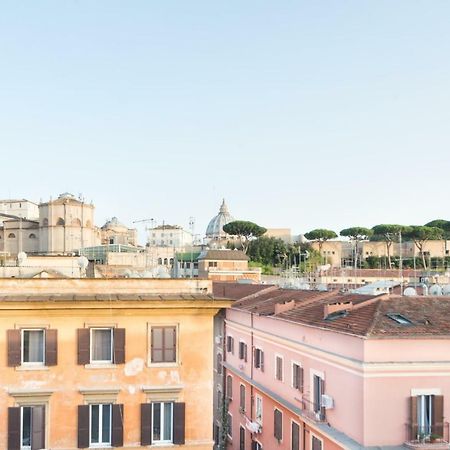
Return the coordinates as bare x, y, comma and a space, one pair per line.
337, 315
402, 320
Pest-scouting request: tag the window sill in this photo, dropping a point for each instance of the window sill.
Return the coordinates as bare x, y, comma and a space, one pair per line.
162, 364
31, 367
100, 366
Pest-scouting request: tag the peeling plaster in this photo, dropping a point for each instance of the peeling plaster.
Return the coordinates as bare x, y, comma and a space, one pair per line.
133, 367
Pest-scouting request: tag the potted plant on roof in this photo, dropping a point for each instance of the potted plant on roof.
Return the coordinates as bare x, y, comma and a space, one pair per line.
435, 438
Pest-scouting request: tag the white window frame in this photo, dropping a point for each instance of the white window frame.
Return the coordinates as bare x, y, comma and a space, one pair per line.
292, 373
277, 355
25, 447
226, 344
100, 421
258, 443
22, 347
91, 342
162, 441
259, 398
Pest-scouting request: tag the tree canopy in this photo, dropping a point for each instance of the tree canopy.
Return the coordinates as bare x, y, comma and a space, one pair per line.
389, 233
245, 230
357, 233
320, 235
442, 224
421, 234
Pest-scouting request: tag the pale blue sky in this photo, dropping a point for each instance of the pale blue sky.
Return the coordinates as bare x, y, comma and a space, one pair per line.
301, 114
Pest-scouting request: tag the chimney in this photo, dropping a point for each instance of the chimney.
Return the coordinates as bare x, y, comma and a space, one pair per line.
336, 307
282, 307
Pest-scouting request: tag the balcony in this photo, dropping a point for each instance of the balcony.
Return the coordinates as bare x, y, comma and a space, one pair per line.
435, 437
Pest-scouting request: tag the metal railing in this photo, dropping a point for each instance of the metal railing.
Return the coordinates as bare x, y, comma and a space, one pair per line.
427, 434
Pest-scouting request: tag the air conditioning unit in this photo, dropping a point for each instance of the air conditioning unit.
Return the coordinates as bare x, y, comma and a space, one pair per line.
218, 340
326, 402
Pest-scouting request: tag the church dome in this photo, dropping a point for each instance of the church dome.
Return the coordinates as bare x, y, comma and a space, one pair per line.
215, 226
112, 224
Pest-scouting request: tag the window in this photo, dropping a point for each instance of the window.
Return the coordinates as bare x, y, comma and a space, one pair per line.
242, 398
402, 320
316, 443
259, 409
26, 427
230, 344
32, 236
101, 345
164, 344
11, 235
259, 359
229, 387
162, 426
279, 368
318, 391
295, 436
256, 446
32, 347
212, 264
162, 423
241, 438
230, 425
100, 425
297, 377
278, 424
219, 363
243, 351
427, 413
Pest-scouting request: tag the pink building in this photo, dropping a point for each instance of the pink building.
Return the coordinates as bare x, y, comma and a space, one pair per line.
324, 370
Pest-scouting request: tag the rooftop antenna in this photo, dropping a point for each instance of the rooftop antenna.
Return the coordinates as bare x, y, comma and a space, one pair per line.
192, 227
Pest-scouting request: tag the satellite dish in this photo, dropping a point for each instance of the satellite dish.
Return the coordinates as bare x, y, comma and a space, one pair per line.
446, 289
435, 290
410, 292
21, 257
82, 262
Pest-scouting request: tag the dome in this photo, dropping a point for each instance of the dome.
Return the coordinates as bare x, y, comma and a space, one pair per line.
215, 226
113, 223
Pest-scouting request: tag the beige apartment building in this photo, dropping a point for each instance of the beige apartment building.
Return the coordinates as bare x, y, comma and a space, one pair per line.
88, 363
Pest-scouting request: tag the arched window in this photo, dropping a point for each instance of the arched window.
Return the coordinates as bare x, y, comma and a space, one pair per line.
159, 261
165, 261
11, 235
60, 221
171, 261
32, 236
45, 222
76, 222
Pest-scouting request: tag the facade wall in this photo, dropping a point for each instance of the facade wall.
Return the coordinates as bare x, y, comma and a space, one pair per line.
370, 381
65, 386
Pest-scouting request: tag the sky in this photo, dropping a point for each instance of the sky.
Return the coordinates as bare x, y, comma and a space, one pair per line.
301, 114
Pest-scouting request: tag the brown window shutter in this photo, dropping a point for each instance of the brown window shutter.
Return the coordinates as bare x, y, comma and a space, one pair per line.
51, 347
301, 378
117, 426
438, 415
262, 361
322, 391
146, 424
413, 417
119, 345
14, 428
245, 352
178, 422
83, 426
83, 346
278, 425
14, 356
38, 427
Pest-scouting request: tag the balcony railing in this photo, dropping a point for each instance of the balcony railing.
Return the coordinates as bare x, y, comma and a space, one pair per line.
313, 411
434, 434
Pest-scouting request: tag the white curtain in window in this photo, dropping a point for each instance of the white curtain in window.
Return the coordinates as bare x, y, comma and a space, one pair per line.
101, 345
33, 346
